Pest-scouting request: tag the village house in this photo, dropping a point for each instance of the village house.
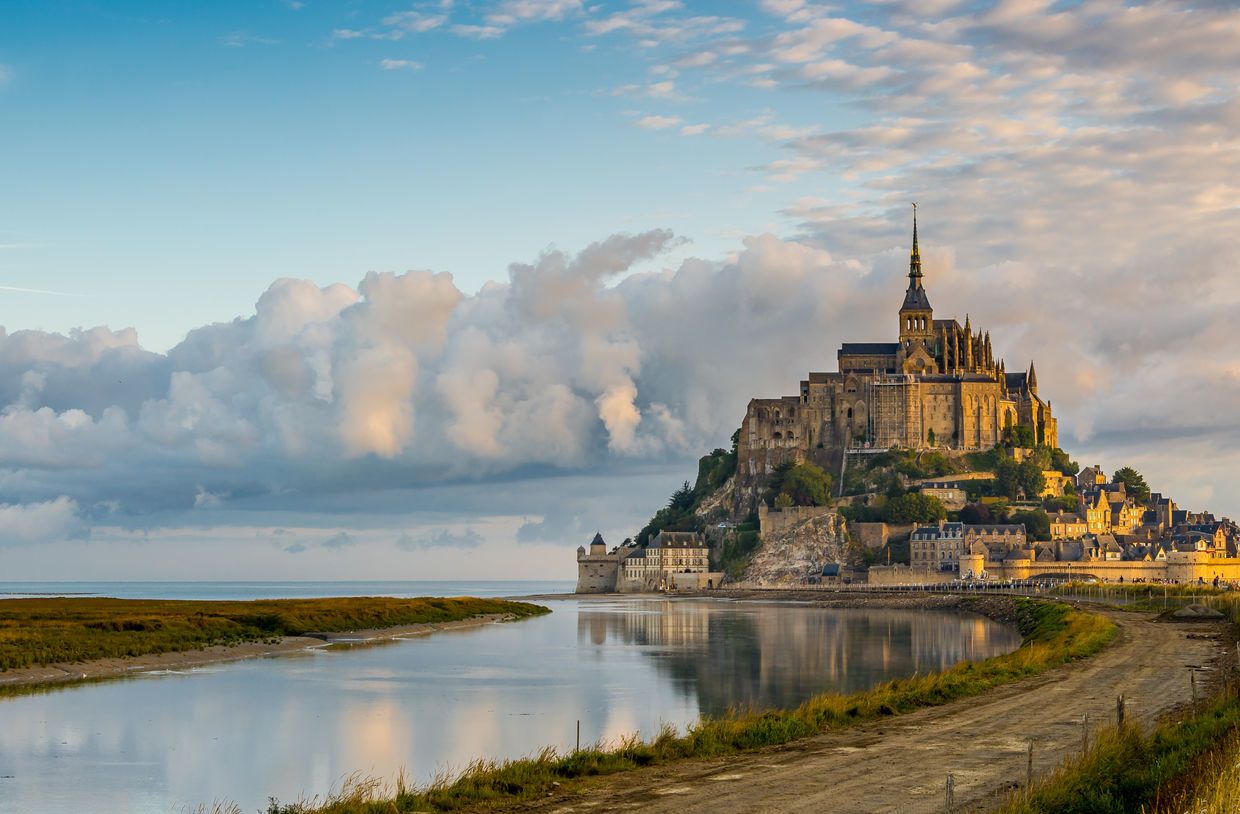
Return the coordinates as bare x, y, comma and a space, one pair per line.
951, 495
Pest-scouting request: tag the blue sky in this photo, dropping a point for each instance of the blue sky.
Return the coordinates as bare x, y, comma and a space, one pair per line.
437, 289
190, 153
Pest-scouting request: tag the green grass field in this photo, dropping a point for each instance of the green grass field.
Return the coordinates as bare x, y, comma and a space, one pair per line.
72, 630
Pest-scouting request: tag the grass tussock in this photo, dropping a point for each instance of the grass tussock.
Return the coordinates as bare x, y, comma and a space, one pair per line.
1054, 634
72, 630
1191, 764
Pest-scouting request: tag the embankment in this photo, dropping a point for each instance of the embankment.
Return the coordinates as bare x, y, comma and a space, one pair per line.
56, 640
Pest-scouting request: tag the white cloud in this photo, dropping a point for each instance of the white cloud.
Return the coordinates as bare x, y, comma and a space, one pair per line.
511, 12
416, 22
400, 65
441, 538
658, 122
45, 522
240, 39
478, 32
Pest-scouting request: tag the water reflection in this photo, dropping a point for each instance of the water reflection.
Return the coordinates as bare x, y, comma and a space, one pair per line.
293, 725
755, 655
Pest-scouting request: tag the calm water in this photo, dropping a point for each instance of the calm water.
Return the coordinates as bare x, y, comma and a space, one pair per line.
286, 725
287, 590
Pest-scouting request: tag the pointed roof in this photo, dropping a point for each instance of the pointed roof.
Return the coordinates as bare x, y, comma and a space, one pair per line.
1033, 378
915, 298
598, 539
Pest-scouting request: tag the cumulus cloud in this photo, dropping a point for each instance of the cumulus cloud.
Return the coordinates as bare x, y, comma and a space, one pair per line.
43, 522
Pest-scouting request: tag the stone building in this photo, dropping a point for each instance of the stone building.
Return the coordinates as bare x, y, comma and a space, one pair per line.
939, 385
936, 547
671, 560
598, 570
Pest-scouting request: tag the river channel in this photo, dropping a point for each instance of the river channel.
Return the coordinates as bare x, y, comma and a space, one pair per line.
293, 725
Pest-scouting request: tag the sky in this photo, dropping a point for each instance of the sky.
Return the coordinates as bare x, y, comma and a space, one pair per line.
312, 289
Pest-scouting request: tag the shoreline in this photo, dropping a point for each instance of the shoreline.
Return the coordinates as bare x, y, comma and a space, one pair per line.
64, 674
997, 607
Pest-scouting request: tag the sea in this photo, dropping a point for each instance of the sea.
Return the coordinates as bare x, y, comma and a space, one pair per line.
267, 589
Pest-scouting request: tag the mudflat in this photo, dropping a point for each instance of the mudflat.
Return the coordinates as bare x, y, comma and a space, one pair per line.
901, 764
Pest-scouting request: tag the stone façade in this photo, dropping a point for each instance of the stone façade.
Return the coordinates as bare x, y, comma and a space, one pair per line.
939, 386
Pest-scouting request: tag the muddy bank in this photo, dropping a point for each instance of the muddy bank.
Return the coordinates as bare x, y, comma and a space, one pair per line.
188, 659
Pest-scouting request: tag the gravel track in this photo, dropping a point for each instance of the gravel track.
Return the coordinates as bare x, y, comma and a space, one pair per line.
900, 764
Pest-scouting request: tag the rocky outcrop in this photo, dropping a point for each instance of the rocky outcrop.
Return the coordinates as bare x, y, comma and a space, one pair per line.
788, 556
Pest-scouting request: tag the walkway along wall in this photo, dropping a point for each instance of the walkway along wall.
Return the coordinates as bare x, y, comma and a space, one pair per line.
1181, 567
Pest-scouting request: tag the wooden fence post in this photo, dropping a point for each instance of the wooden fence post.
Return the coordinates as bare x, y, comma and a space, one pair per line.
1119, 711
950, 795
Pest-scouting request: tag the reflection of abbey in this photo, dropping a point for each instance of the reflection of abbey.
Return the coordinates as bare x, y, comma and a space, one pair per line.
940, 385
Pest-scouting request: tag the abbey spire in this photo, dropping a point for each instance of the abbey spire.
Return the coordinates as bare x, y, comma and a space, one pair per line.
916, 303
914, 260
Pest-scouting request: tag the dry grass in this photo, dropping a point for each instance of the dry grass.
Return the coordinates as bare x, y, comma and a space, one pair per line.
1186, 765
72, 630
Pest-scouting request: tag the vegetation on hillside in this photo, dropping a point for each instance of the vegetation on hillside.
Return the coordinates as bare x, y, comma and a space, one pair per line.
802, 484
71, 630
681, 511
1053, 634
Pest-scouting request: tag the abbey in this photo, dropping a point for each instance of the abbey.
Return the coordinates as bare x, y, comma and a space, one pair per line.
939, 386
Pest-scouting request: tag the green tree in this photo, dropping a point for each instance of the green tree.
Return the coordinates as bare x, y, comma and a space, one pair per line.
1134, 483
1061, 462
682, 498
914, 507
1036, 522
1067, 503
1014, 479
806, 483
783, 501
1020, 435
930, 437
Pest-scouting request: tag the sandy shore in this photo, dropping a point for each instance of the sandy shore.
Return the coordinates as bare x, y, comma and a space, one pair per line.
112, 668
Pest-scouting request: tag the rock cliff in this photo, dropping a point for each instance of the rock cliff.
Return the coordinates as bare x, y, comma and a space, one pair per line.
787, 557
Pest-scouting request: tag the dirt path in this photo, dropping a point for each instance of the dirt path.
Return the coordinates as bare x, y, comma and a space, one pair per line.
901, 764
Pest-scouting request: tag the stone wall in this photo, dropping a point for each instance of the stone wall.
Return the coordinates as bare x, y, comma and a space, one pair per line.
906, 575
597, 575
777, 521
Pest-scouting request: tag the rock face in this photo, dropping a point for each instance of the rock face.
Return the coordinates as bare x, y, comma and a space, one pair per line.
788, 556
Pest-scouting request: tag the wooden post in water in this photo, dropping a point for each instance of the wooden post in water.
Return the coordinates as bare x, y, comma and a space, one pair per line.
1119, 711
1192, 680
950, 795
